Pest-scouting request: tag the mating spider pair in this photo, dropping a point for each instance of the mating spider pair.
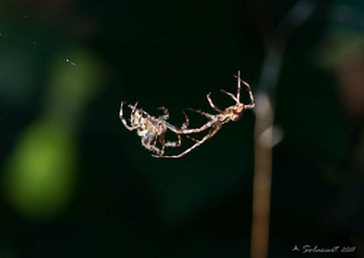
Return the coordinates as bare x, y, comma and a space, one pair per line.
149, 128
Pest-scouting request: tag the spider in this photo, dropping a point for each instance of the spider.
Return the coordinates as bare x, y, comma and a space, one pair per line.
149, 128
216, 121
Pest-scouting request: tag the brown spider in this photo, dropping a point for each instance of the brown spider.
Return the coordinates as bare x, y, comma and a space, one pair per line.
216, 121
149, 128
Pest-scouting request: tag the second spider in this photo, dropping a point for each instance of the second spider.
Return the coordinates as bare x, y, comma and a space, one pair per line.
215, 122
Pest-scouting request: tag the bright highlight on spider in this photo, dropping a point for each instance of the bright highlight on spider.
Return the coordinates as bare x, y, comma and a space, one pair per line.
150, 128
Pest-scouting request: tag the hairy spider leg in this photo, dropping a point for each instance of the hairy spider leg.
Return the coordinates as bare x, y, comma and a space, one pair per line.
155, 141
239, 85
147, 145
204, 127
173, 144
185, 124
163, 142
130, 128
133, 108
184, 129
171, 127
237, 98
166, 113
168, 144
202, 113
196, 130
193, 139
212, 132
252, 105
212, 118
232, 96
212, 104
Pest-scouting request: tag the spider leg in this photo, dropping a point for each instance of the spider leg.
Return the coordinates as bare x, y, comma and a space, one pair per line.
163, 142
215, 130
193, 139
198, 143
174, 144
231, 95
170, 144
202, 113
185, 124
252, 105
166, 113
147, 145
239, 85
130, 128
173, 128
167, 144
196, 130
179, 141
133, 108
212, 104
155, 142
184, 129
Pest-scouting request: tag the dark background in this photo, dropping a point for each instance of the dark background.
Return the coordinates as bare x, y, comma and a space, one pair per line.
76, 183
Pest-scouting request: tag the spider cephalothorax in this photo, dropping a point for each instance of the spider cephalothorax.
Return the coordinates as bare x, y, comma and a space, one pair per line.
236, 112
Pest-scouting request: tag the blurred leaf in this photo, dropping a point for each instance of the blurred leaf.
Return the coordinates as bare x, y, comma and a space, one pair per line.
39, 175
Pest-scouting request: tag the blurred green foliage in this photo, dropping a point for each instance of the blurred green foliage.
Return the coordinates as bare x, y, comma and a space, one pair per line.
41, 169
40, 173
